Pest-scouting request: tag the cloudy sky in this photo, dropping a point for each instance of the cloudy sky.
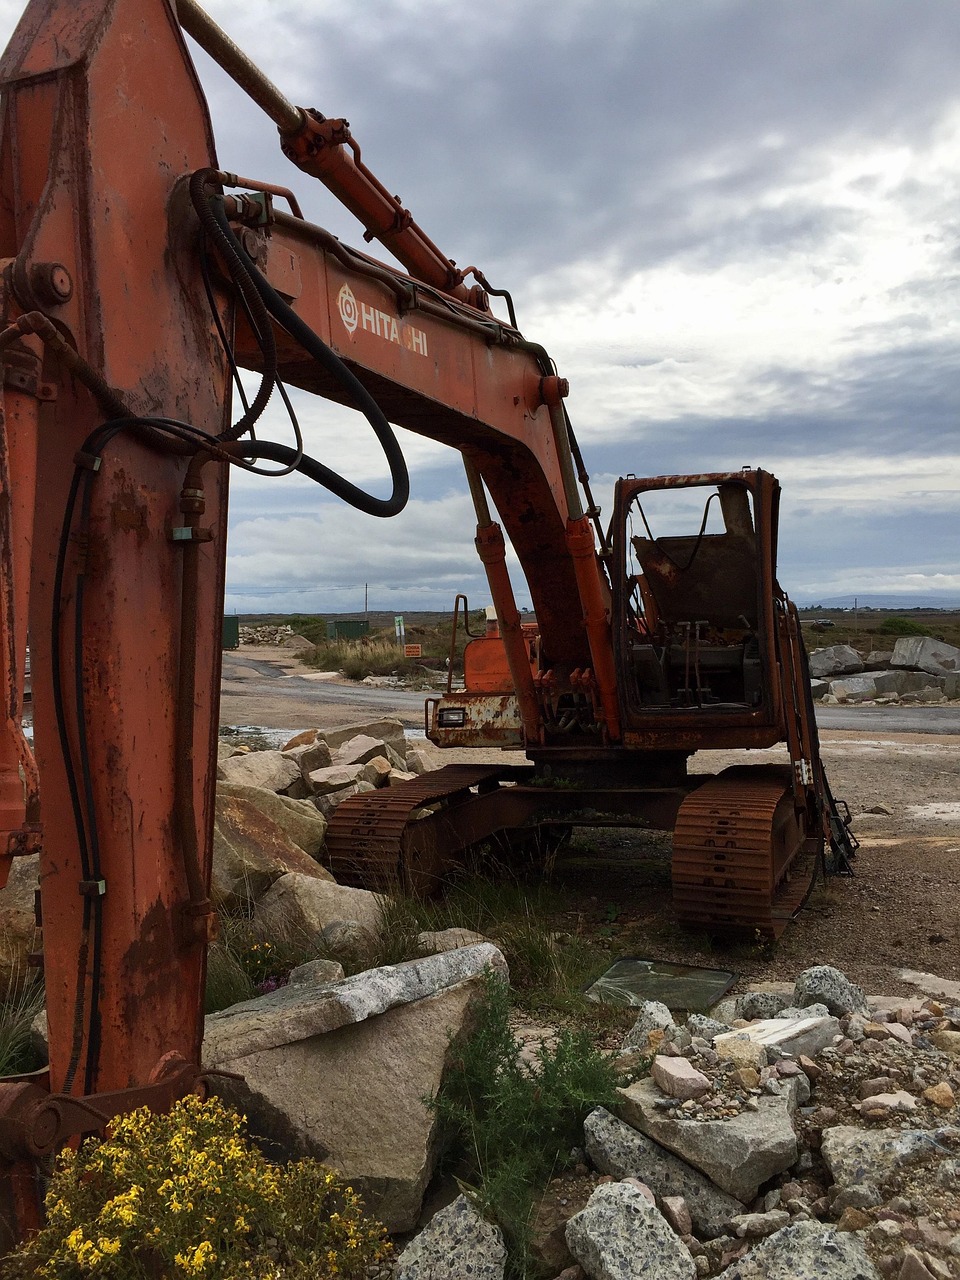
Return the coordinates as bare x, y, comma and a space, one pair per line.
735, 224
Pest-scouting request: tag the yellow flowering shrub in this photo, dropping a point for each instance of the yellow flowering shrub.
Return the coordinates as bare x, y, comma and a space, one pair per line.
186, 1194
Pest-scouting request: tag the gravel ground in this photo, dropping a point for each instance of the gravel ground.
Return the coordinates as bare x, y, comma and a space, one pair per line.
901, 909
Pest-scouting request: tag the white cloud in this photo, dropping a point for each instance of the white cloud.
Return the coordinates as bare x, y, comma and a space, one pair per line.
734, 226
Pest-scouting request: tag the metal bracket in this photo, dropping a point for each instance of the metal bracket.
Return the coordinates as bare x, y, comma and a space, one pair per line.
33, 1122
186, 533
26, 377
25, 840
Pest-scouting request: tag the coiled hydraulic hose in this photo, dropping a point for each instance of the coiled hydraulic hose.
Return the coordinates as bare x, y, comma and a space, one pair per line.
269, 303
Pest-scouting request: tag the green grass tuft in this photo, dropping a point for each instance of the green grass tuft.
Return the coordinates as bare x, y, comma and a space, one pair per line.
514, 1126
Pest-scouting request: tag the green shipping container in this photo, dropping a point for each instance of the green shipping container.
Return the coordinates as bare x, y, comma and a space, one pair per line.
347, 629
231, 633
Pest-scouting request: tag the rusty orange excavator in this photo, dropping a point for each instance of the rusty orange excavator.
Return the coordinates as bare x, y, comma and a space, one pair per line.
137, 276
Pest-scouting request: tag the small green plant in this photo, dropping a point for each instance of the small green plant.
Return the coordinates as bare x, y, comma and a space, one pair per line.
19, 1005
514, 1125
187, 1195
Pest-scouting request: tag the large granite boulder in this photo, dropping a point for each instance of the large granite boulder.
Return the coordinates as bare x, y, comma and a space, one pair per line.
385, 730
737, 1154
618, 1228
456, 1243
837, 660
854, 688
311, 754
358, 750
823, 984
300, 906
251, 852
923, 653
334, 778
271, 770
300, 819
342, 1071
855, 1155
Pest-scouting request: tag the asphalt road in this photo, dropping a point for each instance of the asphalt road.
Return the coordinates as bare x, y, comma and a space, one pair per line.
261, 692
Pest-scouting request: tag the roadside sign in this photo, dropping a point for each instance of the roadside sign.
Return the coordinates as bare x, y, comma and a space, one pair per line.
413, 651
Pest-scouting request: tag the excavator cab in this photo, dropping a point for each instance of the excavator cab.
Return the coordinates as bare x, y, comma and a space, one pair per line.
695, 590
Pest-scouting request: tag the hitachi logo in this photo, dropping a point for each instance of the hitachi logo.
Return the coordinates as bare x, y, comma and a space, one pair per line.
385, 326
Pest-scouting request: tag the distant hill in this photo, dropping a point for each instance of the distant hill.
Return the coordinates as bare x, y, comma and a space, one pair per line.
932, 600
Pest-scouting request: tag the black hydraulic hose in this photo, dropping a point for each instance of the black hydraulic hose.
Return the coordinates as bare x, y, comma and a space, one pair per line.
245, 282
322, 475
361, 397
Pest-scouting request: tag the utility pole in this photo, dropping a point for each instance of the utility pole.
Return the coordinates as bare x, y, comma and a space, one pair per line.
366, 600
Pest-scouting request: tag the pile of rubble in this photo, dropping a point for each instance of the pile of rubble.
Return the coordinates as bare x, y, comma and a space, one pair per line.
808, 1132
276, 635
806, 1135
917, 669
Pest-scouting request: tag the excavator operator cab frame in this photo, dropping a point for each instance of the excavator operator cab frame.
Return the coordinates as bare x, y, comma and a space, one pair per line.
695, 633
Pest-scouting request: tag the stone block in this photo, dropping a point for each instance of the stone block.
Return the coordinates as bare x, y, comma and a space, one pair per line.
300, 819
314, 754
251, 852
328, 802
854, 1155
617, 1148
457, 1241
618, 1226
271, 770
877, 660
923, 653
805, 1251
341, 1072
794, 1036
358, 750
334, 778
824, 984
386, 730
18, 925
737, 1047
854, 688
679, 1078
837, 660
299, 907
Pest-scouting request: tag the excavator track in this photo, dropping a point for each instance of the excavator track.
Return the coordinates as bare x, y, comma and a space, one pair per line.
365, 838
741, 857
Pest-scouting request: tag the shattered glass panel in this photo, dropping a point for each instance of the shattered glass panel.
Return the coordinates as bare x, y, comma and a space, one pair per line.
632, 980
